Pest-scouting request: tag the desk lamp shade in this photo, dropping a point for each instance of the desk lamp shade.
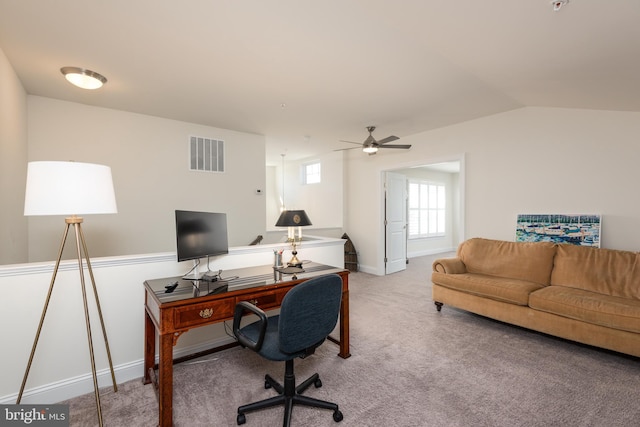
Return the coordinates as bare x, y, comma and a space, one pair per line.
69, 188
293, 218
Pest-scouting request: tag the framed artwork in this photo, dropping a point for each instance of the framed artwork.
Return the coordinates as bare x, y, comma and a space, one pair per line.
581, 229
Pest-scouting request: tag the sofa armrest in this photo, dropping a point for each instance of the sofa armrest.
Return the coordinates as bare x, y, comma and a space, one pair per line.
449, 266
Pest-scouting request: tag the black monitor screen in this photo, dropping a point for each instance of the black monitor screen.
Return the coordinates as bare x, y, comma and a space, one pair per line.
201, 234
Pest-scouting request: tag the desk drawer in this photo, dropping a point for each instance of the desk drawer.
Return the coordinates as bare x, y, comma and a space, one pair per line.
263, 300
203, 313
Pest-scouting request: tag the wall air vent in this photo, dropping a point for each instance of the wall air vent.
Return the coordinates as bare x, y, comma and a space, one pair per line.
206, 154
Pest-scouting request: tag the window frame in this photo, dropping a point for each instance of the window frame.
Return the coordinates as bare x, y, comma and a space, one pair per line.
305, 172
425, 210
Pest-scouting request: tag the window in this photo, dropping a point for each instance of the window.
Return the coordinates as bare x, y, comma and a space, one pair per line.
426, 209
311, 173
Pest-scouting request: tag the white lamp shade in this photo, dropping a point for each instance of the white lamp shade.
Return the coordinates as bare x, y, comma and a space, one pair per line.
69, 188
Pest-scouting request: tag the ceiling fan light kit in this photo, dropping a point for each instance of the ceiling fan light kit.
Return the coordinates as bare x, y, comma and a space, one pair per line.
370, 149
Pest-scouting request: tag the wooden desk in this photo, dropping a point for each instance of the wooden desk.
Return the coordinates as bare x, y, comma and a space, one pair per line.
169, 315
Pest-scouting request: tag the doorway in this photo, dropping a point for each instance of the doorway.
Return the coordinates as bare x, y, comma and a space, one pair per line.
449, 172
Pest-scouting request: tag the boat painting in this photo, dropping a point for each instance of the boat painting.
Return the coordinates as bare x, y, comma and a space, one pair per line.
559, 228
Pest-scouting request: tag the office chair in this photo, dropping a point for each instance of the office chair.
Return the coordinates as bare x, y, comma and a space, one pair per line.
308, 313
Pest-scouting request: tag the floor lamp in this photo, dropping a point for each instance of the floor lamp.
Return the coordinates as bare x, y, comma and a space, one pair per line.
70, 188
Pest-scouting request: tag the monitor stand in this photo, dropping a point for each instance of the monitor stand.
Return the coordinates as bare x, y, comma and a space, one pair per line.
192, 276
207, 276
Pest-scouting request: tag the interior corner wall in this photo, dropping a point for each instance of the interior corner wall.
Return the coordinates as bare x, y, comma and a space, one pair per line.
273, 191
149, 161
457, 235
323, 201
528, 160
13, 165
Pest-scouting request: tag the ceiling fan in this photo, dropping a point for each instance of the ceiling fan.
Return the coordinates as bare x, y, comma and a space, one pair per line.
371, 146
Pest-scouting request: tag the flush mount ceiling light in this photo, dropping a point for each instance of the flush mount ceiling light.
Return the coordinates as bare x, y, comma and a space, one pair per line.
85, 79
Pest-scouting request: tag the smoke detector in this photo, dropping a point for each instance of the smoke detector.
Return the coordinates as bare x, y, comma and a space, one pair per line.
557, 4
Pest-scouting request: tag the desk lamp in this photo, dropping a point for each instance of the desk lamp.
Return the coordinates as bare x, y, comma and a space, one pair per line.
70, 188
293, 219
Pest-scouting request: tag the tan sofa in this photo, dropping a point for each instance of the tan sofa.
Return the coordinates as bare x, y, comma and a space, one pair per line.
580, 293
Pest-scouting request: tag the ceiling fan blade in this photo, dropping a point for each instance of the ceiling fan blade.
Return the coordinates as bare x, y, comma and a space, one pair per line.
388, 139
344, 149
406, 147
350, 142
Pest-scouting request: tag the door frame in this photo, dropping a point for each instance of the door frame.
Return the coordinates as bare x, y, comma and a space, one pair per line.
459, 224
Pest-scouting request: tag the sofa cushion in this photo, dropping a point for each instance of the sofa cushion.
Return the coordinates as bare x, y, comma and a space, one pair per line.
513, 291
530, 261
604, 310
605, 271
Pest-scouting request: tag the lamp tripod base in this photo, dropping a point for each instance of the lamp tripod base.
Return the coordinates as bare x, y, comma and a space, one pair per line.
81, 248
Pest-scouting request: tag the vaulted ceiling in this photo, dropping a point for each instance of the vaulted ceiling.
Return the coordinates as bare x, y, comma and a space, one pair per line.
309, 73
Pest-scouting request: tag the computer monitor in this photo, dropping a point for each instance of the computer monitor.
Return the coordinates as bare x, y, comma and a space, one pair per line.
200, 234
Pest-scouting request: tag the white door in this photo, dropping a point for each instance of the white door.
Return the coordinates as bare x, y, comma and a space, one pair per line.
395, 222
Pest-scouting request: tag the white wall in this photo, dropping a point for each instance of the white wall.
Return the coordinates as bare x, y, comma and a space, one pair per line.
13, 160
536, 160
148, 157
322, 202
61, 367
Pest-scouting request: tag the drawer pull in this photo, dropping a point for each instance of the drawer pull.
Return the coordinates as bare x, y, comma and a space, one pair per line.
206, 313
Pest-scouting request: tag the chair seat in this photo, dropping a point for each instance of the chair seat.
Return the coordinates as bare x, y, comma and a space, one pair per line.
271, 346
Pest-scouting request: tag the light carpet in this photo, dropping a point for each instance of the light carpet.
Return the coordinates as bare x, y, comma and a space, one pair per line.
410, 366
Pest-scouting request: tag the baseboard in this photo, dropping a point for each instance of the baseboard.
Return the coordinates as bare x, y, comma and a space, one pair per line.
374, 270
368, 269
416, 254
76, 386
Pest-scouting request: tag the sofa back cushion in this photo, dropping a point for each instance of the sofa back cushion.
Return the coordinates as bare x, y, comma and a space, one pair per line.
605, 271
531, 261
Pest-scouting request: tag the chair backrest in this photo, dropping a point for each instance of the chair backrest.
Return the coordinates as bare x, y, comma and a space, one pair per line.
309, 312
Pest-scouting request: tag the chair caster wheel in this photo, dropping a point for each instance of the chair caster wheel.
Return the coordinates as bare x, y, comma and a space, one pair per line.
242, 419
317, 383
337, 416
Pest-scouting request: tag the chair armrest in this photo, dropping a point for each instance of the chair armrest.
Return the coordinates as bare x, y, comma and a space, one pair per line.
449, 266
241, 308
